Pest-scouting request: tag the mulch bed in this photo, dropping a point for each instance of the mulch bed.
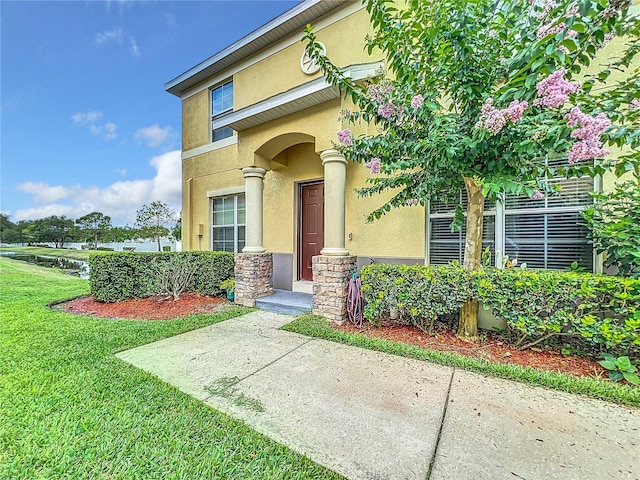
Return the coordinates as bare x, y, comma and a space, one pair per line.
493, 348
151, 308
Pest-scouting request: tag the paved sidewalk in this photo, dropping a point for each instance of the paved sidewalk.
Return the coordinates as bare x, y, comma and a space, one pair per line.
370, 415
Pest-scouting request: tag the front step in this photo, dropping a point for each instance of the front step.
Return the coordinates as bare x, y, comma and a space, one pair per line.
284, 301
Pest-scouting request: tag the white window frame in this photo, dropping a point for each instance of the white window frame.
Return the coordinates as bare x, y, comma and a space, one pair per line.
236, 225
500, 213
217, 114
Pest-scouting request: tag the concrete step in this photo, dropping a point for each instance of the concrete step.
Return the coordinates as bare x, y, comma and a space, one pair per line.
284, 301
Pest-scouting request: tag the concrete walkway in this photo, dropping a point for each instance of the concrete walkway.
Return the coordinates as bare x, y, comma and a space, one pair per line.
370, 415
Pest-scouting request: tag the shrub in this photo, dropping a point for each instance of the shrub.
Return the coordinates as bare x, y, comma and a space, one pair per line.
614, 226
422, 293
173, 276
599, 312
118, 276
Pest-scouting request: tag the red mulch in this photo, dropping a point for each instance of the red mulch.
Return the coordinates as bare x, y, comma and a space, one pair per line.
151, 308
494, 349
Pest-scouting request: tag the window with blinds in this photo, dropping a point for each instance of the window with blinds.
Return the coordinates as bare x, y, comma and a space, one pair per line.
546, 233
446, 246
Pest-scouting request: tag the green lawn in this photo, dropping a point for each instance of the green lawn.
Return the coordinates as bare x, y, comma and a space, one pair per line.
318, 327
51, 252
70, 409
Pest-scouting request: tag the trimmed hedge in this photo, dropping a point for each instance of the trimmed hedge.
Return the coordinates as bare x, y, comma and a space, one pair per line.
117, 276
421, 293
596, 312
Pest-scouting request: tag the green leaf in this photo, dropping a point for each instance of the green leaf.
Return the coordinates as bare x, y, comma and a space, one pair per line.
609, 365
615, 376
631, 378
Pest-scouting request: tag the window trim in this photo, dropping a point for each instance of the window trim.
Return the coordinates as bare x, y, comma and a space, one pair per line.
213, 116
499, 213
230, 193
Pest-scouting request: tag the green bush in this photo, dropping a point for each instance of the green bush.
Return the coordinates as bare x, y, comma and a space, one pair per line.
594, 312
421, 293
601, 313
614, 227
117, 276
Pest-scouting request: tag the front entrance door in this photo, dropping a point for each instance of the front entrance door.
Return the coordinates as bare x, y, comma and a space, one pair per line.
311, 227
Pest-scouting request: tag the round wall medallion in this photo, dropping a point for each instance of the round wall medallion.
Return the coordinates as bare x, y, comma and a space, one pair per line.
307, 65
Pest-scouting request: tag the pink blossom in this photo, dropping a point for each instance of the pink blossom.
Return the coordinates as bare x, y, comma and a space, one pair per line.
374, 93
416, 102
378, 91
550, 29
515, 110
589, 130
554, 90
412, 201
345, 137
386, 110
547, 7
537, 195
494, 120
373, 165
634, 104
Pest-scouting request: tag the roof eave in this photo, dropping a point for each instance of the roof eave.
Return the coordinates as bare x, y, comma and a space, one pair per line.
290, 21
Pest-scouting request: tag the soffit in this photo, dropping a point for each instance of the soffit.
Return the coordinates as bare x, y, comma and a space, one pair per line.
298, 98
289, 22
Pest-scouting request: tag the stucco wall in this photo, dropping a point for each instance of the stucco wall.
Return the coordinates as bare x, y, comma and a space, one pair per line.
344, 40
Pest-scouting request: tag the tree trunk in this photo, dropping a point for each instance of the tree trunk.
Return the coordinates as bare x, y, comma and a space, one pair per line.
158, 237
468, 322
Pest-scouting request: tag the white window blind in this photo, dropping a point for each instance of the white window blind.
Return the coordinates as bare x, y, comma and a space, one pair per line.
546, 233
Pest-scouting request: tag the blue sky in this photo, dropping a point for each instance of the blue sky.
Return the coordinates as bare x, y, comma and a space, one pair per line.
85, 122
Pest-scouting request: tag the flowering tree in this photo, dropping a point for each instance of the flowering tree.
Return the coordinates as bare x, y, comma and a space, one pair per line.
478, 94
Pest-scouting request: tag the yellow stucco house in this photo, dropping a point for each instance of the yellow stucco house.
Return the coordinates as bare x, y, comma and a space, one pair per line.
261, 175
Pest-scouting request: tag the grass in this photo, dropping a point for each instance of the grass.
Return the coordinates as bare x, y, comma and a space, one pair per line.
318, 327
50, 252
70, 409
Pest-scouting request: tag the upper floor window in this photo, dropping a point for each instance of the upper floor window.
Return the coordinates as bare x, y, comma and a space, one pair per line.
221, 102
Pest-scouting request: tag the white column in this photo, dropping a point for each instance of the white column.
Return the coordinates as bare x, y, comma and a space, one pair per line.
335, 178
254, 180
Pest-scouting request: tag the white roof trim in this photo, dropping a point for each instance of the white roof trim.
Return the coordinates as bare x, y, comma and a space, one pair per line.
298, 98
290, 21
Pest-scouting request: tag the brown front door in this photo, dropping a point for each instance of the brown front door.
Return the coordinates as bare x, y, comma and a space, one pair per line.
311, 226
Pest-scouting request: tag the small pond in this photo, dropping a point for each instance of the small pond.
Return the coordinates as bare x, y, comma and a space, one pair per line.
69, 265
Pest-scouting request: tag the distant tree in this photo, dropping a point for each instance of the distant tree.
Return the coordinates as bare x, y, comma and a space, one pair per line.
95, 224
53, 229
151, 219
176, 231
8, 230
120, 234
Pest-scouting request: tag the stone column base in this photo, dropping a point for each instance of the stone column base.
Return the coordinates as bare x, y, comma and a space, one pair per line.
254, 277
330, 285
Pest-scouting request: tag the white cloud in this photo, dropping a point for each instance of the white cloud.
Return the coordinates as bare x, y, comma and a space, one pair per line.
118, 36
106, 131
92, 119
120, 200
112, 36
155, 136
43, 193
82, 118
134, 47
